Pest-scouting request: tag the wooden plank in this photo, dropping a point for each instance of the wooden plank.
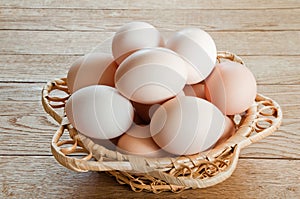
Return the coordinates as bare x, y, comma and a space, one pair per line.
26, 134
22, 115
36, 177
274, 69
41, 68
137, 4
110, 21
32, 92
34, 68
70, 43
20, 92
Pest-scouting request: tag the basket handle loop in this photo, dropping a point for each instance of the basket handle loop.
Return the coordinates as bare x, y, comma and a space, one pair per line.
267, 120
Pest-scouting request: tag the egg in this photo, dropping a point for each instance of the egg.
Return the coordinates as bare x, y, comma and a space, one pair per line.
186, 125
196, 90
134, 36
228, 131
151, 75
137, 141
231, 87
198, 49
99, 112
91, 69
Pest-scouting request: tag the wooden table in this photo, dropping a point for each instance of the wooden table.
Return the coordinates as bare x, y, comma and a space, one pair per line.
40, 39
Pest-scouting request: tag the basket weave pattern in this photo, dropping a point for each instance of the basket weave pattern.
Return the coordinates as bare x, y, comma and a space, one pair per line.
160, 174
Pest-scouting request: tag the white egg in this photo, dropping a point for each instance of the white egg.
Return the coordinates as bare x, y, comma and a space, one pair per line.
99, 112
198, 49
151, 75
187, 125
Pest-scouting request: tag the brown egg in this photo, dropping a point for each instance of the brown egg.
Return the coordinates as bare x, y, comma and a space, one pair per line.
228, 131
196, 90
137, 141
231, 87
92, 69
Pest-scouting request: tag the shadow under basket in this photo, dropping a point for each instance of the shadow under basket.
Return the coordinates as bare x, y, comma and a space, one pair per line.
159, 174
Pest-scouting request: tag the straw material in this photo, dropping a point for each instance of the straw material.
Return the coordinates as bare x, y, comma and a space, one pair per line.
160, 174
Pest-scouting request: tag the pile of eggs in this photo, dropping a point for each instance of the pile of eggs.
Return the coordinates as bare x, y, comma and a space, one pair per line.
158, 98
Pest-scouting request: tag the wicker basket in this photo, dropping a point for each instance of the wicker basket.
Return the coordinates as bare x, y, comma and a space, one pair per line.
160, 174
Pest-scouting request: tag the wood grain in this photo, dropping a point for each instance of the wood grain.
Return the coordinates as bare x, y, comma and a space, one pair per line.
137, 4
111, 20
70, 43
44, 177
41, 38
41, 68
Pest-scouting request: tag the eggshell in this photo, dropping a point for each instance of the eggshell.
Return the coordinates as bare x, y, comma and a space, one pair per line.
137, 141
228, 131
151, 75
186, 125
231, 87
134, 36
99, 112
196, 90
198, 49
91, 69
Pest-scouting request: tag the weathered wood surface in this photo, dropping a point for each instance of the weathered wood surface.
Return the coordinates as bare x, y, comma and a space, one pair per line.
108, 20
136, 4
40, 39
40, 177
76, 42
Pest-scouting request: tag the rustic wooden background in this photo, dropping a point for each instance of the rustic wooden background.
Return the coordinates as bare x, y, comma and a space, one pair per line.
39, 39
